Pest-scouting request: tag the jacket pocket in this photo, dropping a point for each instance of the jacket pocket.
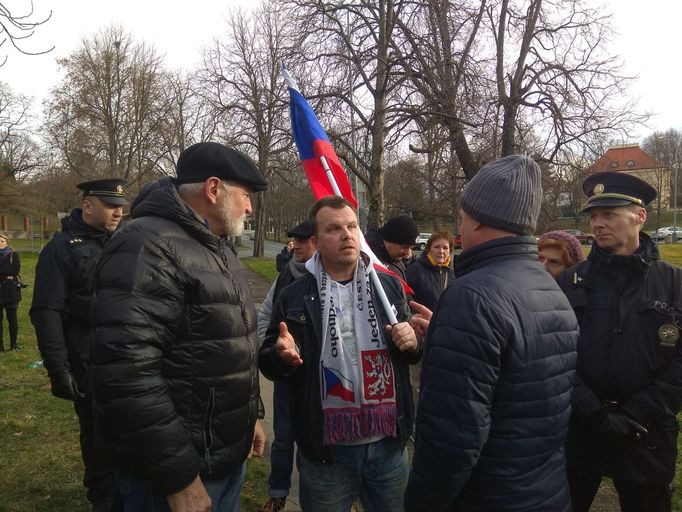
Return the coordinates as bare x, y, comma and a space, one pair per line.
208, 423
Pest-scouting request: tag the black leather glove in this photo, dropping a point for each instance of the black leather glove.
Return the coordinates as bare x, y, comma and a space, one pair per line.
64, 386
615, 423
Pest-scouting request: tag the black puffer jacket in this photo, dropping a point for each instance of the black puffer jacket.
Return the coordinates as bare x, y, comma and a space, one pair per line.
428, 281
629, 357
62, 296
497, 375
175, 359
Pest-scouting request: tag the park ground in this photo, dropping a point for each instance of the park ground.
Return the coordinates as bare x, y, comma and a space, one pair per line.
41, 466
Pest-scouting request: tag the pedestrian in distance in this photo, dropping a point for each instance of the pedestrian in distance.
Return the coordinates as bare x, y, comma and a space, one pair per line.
282, 448
284, 256
10, 292
392, 243
432, 273
499, 362
351, 399
61, 315
175, 371
558, 250
629, 385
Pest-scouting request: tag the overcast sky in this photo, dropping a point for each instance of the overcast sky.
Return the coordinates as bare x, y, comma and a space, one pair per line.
649, 42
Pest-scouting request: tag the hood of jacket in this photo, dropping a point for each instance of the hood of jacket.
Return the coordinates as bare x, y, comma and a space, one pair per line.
482, 254
161, 199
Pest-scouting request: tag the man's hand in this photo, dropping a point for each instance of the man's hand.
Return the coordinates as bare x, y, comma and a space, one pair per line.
421, 318
64, 386
192, 498
403, 336
258, 444
615, 423
286, 347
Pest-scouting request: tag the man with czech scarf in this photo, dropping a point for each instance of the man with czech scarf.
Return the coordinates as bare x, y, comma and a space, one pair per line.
351, 399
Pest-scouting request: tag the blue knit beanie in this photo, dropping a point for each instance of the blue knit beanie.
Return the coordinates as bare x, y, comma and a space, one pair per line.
505, 194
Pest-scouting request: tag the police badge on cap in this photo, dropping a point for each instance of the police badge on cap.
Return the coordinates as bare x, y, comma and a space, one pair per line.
110, 190
617, 189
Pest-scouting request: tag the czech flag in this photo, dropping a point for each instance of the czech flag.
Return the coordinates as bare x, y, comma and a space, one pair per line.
336, 384
312, 143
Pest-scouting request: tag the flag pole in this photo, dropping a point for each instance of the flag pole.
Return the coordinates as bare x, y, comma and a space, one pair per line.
388, 308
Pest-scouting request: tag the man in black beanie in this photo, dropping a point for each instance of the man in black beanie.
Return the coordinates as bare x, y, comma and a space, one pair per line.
392, 243
499, 362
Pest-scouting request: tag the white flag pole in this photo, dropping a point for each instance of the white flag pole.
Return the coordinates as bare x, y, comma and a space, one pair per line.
388, 307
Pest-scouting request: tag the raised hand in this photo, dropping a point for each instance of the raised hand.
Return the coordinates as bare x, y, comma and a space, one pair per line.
421, 318
286, 347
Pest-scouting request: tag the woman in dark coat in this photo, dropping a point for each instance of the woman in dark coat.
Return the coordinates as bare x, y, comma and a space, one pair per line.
431, 274
10, 291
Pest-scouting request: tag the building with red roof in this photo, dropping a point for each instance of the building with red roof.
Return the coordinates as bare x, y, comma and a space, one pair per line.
632, 159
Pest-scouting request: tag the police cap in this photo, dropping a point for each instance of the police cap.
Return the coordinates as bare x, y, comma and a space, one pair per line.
303, 231
109, 190
206, 159
617, 189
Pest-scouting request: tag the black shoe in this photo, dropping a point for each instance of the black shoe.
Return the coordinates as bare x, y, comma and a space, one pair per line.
15, 348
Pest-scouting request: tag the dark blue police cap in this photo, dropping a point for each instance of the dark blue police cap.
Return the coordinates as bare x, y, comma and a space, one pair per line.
304, 230
206, 159
109, 190
617, 189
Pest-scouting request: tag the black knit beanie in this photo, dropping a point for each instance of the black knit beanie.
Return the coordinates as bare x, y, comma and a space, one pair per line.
505, 194
400, 230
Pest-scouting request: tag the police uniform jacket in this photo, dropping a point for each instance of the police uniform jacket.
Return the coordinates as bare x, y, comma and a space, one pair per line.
630, 358
494, 397
299, 307
175, 372
62, 296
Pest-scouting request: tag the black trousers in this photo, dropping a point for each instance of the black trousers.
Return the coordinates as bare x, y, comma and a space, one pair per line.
98, 478
13, 325
633, 497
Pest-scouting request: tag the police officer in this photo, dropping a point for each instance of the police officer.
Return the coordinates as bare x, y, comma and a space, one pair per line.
629, 383
61, 316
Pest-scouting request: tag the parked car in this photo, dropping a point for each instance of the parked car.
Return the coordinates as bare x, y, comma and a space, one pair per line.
420, 242
583, 238
661, 233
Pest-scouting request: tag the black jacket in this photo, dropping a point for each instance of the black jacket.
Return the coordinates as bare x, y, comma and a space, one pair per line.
299, 307
625, 306
497, 374
62, 296
428, 281
10, 288
175, 361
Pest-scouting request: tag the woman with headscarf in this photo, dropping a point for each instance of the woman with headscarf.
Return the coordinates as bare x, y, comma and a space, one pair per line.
431, 274
558, 250
10, 291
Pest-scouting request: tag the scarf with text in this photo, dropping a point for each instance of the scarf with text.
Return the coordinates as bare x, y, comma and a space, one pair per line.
356, 375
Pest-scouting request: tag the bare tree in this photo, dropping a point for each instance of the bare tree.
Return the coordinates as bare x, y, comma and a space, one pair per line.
105, 116
17, 27
241, 79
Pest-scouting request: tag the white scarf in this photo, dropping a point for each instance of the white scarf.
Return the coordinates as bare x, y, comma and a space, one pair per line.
357, 393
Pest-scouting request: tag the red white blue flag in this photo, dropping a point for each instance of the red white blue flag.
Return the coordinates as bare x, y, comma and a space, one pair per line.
335, 384
312, 143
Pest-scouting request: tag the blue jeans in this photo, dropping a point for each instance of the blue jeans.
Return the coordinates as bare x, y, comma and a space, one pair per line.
138, 496
375, 472
282, 449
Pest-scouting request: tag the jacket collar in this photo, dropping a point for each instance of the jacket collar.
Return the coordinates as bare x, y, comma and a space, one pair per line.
76, 226
483, 254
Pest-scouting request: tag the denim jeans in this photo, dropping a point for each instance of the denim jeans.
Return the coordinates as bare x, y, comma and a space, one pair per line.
282, 449
375, 472
138, 495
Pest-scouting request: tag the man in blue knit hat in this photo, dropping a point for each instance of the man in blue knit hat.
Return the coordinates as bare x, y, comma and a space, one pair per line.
499, 362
